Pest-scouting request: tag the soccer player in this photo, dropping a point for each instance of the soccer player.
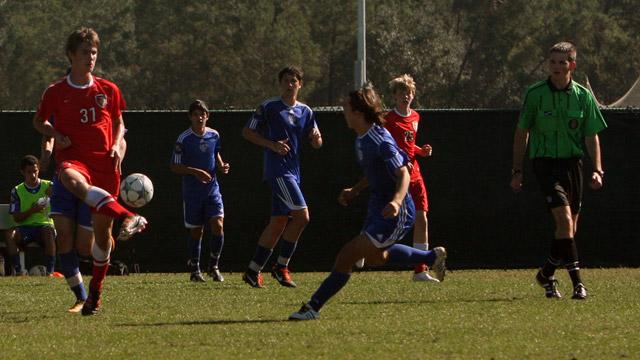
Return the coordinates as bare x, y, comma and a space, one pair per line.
390, 212
559, 118
88, 130
30, 210
402, 122
279, 125
196, 156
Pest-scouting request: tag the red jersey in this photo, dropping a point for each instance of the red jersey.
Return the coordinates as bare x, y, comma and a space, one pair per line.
404, 130
84, 114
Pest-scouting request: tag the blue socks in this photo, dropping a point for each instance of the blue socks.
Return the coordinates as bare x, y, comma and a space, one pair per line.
404, 255
287, 248
71, 271
195, 245
329, 287
216, 243
260, 258
15, 261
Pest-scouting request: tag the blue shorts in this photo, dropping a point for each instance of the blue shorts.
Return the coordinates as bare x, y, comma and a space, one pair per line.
63, 202
199, 209
384, 232
286, 196
29, 234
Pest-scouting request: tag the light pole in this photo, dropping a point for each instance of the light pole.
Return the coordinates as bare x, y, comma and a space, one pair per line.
361, 62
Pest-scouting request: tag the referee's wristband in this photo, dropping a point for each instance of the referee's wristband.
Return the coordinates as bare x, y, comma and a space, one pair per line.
599, 172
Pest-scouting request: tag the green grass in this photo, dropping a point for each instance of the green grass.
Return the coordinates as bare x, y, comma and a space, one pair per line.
483, 314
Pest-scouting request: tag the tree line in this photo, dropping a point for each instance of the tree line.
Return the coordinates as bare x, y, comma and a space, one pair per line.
462, 53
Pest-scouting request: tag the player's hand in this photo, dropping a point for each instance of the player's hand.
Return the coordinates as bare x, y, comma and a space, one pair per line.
391, 210
346, 196
38, 206
225, 168
516, 182
427, 150
117, 159
280, 147
61, 141
596, 181
316, 138
203, 176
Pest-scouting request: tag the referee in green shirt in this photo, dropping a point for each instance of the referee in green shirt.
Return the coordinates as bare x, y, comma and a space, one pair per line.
559, 118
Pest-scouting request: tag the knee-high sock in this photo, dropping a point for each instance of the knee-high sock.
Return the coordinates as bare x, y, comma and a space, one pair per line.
556, 257
217, 242
571, 261
105, 204
195, 247
405, 255
329, 287
100, 267
260, 258
71, 270
287, 248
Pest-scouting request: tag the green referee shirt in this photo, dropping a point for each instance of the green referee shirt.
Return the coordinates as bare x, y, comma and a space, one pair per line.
559, 119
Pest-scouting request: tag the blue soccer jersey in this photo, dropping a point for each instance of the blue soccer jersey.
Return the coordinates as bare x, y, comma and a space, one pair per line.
277, 121
199, 152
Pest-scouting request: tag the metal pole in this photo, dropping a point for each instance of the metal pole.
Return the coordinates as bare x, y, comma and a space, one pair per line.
361, 62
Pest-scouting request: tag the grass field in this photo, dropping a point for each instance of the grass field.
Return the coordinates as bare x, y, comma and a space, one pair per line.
483, 314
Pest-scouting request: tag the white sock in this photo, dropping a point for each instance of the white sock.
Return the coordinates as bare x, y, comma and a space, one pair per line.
423, 247
97, 197
99, 254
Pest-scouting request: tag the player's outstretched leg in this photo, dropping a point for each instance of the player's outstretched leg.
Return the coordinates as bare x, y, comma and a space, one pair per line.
131, 225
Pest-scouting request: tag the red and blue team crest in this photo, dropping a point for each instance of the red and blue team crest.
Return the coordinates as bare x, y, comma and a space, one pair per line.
101, 100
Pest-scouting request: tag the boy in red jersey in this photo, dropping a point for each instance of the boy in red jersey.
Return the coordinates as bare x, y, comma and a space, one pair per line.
402, 123
88, 130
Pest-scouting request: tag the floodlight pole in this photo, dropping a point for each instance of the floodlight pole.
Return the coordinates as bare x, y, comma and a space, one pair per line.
361, 62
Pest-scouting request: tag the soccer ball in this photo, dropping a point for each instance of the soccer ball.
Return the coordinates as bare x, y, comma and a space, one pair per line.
136, 190
38, 270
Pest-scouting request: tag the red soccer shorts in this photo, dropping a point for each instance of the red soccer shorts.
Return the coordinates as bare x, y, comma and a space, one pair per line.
419, 194
107, 180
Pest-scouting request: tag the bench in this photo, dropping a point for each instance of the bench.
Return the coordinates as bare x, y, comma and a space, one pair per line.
6, 223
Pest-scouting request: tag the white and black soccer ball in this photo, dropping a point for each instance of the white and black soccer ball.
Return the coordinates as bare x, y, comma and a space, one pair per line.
136, 190
38, 270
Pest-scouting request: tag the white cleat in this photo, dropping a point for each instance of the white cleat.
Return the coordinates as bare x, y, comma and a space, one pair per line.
360, 263
424, 276
131, 226
439, 266
305, 313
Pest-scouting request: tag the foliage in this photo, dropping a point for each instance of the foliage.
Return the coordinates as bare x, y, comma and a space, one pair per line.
463, 53
378, 315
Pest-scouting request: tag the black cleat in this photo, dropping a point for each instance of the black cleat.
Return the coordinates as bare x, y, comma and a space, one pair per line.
93, 304
197, 277
214, 272
253, 278
550, 286
579, 292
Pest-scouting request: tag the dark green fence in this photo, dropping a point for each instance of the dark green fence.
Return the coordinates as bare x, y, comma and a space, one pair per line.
472, 210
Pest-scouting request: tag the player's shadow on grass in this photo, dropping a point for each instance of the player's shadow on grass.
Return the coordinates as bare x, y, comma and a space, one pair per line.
381, 302
209, 322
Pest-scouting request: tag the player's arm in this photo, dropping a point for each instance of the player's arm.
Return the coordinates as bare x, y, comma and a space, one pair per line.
46, 149
347, 195
44, 127
424, 150
316, 138
520, 141
402, 185
593, 148
182, 169
223, 166
281, 147
118, 138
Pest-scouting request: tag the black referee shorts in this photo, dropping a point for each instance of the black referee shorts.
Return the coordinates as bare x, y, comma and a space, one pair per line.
560, 181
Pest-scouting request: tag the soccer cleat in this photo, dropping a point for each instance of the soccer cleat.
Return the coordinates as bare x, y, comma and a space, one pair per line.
438, 266
360, 263
214, 272
131, 226
550, 286
424, 276
253, 278
93, 303
283, 276
197, 277
76, 307
579, 292
306, 312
